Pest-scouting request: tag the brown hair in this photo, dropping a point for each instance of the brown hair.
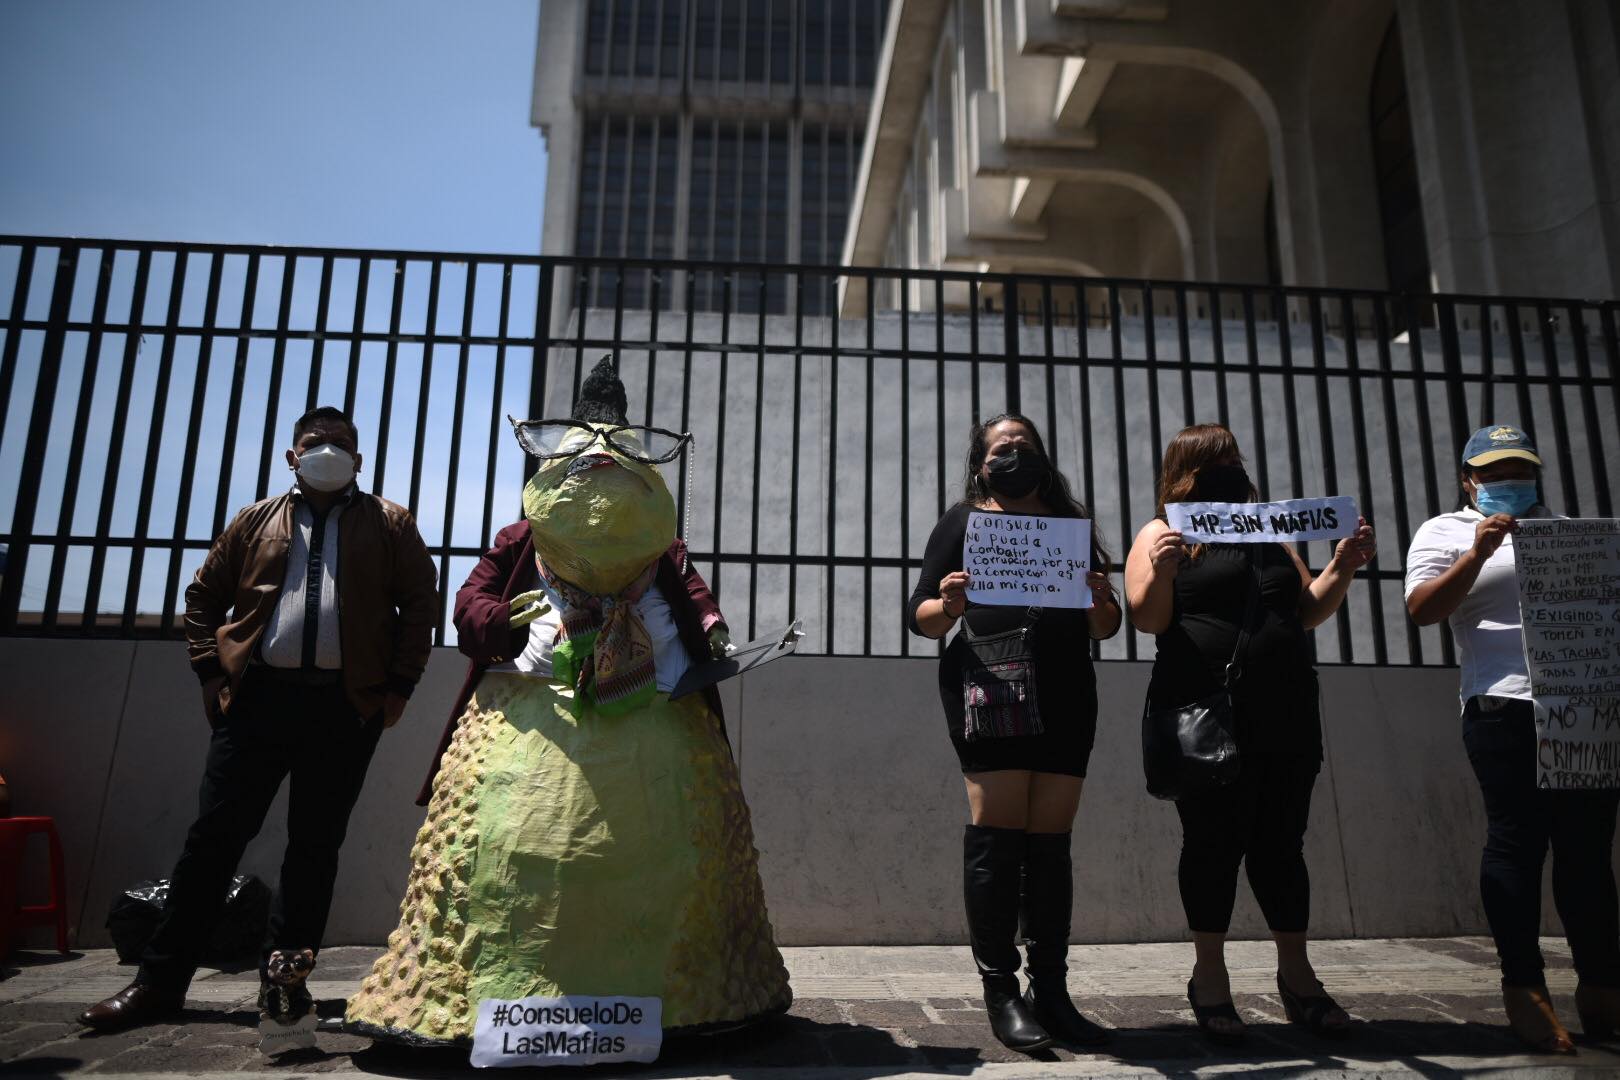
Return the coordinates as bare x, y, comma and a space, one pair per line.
1192, 449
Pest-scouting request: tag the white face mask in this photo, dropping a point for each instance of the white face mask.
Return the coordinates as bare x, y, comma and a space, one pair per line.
326, 468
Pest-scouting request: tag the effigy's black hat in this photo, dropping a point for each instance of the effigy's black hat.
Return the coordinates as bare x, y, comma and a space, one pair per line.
601, 396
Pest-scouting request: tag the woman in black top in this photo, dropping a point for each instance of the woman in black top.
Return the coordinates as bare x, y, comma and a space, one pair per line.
1023, 789
1193, 600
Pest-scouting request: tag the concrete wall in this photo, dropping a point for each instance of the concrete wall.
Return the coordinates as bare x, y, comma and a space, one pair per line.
855, 794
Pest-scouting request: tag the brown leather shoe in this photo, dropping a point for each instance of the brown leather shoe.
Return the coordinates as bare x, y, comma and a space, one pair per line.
1530, 1015
1599, 1009
132, 1006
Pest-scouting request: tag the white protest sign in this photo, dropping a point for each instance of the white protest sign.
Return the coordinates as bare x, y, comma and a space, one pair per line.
1264, 523
567, 1031
1027, 561
1569, 602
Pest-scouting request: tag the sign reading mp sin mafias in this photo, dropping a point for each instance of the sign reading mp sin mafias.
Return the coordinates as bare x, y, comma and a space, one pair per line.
1264, 523
1569, 603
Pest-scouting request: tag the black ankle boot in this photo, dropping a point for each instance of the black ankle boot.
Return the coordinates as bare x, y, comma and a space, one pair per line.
992, 861
1048, 900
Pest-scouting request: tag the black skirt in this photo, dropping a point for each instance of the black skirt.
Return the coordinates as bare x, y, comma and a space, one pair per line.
1066, 695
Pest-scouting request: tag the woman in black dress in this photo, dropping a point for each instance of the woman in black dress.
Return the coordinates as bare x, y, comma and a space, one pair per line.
1023, 789
1193, 599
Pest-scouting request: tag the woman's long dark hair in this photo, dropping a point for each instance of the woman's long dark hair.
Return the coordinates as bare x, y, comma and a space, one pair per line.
1055, 492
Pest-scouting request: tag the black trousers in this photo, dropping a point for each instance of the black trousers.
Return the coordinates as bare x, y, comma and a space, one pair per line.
1522, 823
1259, 821
274, 729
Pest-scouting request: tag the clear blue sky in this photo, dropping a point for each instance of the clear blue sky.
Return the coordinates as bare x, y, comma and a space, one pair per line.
364, 123
381, 123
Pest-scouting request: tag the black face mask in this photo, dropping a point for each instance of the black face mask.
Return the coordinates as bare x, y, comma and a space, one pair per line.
1223, 483
1017, 473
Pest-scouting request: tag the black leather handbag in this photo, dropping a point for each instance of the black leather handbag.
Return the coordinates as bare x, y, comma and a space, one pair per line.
1191, 749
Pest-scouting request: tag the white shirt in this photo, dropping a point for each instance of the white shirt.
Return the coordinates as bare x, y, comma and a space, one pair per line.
669, 655
1486, 625
283, 644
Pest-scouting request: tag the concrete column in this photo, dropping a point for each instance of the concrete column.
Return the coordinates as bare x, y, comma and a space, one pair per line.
1513, 113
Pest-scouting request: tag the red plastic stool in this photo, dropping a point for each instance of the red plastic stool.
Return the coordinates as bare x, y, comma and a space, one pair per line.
14, 834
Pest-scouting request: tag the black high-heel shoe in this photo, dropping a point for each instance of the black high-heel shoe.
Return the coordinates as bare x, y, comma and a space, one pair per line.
1311, 1011
1224, 1011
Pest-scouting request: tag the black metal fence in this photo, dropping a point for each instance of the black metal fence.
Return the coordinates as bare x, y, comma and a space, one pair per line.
147, 391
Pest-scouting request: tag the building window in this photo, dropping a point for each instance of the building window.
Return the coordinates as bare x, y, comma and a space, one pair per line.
628, 173
1400, 201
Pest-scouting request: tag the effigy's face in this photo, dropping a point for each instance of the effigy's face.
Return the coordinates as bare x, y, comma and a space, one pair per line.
599, 517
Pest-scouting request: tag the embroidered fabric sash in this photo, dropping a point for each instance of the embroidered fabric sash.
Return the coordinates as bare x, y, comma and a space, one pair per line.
602, 648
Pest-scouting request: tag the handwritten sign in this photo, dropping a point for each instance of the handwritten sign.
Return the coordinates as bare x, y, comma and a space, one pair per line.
1569, 600
1027, 561
1264, 523
567, 1031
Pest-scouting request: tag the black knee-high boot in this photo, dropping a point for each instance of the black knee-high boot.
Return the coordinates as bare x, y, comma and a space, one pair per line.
992, 862
1048, 901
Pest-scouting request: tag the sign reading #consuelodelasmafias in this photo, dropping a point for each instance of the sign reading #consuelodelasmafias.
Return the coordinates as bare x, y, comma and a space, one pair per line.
1286, 522
1027, 561
567, 1031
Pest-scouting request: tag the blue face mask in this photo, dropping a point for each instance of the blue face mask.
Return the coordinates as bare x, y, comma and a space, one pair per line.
1512, 497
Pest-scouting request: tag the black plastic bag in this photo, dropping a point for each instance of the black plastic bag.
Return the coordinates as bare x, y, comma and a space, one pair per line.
134, 915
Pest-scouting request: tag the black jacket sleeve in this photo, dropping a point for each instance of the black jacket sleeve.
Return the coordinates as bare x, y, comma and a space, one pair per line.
942, 556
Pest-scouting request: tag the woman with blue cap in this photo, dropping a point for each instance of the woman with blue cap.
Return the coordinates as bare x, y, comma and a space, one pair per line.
1460, 568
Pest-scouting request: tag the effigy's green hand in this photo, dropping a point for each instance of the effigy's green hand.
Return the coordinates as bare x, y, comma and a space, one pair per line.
527, 607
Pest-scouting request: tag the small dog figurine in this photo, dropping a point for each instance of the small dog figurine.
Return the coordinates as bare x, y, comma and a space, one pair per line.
286, 1008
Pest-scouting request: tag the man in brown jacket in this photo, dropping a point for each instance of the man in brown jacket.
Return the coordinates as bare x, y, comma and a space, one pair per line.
308, 624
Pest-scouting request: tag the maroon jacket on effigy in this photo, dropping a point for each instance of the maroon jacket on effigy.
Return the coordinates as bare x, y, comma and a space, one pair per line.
483, 614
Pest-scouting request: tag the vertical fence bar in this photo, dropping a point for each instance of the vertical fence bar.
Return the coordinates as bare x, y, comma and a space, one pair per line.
793, 479
1363, 473
1009, 344
720, 425
1121, 450
80, 435
19, 309
497, 391
1219, 339
1487, 366
189, 462
973, 346
1150, 354
154, 444
37, 440
390, 364
905, 459
120, 418
1594, 432
1394, 449
452, 480
1527, 414
1256, 397
688, 464
832, 468
866, 515
425, 391
1451, 360
278, 357
1555, 393
539, 362
317, 355
351, 381
1324, 421
1420, 383
759, 423
1184, 354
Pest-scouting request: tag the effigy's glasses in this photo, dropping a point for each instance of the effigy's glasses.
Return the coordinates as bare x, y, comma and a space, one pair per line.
555, 440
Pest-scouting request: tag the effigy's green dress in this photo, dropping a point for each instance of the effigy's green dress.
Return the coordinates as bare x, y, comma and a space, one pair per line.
578, 854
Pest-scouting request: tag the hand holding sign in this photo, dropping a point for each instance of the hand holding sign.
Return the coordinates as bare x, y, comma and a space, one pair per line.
1357, 549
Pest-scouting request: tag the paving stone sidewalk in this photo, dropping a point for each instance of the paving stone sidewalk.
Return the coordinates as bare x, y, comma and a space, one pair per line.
1425, 1008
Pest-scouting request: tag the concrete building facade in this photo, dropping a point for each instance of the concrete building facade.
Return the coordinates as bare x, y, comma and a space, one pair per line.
1410, 145
701, 129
